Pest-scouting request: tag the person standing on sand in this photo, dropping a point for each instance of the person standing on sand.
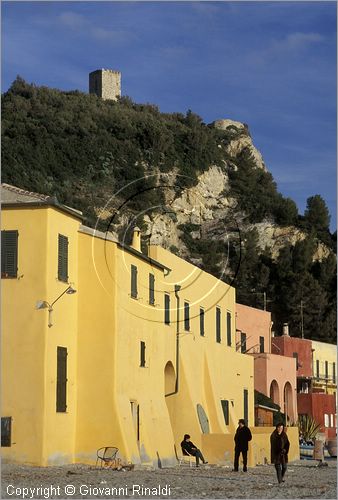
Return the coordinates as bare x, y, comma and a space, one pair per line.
279, 451
242, 438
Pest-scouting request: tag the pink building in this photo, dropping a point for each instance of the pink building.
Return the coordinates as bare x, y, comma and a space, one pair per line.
301, 350
274, 374
320, 405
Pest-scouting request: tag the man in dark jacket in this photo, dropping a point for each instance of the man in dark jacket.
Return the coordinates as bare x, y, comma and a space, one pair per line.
279, 451
188, 448
242, 438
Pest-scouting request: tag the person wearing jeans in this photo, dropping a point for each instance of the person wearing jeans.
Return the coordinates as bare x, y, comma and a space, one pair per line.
279, 451
188, 448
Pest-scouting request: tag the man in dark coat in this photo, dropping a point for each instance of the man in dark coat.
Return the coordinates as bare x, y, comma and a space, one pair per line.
188, 448
242, 438
279, 451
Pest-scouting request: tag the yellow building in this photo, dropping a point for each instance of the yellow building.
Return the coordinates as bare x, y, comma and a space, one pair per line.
105, 346
324, 358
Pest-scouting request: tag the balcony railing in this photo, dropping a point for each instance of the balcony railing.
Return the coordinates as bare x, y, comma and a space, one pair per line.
322, 378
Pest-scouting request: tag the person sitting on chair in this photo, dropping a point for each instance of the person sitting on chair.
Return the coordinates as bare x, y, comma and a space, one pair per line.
188, 448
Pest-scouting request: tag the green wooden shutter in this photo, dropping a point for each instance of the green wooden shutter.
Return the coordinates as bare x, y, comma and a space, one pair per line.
229, 328
143, 354
186, 316
243, 342
317, 367
218, 324
334, 372
202, 322
151, 289
245, 398
9, 254
167, 309
6, 431
63, 258
225, 408
134, 281
261, 344
61, 380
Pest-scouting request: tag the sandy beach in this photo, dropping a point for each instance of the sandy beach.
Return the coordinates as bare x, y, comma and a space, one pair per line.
304, 479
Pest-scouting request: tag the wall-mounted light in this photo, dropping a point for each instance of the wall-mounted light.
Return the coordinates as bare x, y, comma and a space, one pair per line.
43, 304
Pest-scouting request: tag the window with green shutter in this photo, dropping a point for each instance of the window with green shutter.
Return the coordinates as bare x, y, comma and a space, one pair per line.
228, 328
243, 342
142, 354
151, 289
186, 316
334, 372
61, 380
63, 258
133, 284
225, 408
6, 431
9, 254
246, 406
202, 322
261, 344
167, 309
218, 324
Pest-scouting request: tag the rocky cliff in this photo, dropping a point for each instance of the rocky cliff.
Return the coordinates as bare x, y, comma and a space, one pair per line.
208, 210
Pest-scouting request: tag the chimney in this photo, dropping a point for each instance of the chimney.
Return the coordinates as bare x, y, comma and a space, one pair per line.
136, 243
285, 329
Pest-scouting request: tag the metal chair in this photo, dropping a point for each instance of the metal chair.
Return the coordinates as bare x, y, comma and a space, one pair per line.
107, 456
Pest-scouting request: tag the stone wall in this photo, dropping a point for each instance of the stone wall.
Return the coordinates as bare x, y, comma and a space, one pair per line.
105, 83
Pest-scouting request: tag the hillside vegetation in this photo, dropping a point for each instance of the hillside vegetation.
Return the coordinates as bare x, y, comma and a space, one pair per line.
83, 149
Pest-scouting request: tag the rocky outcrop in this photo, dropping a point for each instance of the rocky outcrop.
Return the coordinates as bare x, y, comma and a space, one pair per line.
206, 202
211, 212
275, 238
240, 141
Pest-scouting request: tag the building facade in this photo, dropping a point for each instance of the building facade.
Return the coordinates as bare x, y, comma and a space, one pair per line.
274, 373
105, 346
316, 378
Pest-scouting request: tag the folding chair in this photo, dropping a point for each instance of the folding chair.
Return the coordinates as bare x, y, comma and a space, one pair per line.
185, 458
107, 456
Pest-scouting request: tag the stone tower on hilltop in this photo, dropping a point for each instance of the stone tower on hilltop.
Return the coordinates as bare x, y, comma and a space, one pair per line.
105, 83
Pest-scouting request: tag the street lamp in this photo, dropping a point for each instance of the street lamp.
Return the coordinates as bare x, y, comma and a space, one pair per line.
43, 304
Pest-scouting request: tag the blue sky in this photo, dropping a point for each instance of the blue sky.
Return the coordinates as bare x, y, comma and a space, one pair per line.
271, 65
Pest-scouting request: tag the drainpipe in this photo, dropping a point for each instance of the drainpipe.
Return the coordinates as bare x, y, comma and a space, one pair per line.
177, 289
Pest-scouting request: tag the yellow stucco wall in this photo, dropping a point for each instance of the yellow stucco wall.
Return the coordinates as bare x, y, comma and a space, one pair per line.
209, 371
102, 328
112, 325
29, 346
219, 448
